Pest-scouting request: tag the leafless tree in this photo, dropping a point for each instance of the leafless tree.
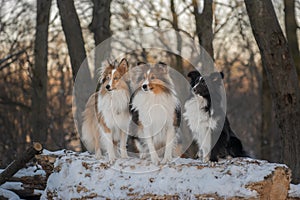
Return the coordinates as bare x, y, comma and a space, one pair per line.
291, 31
204, 25
282, 78
100, 27
73, 34
39, 74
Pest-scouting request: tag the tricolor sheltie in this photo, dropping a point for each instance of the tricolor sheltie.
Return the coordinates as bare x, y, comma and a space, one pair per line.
106, 116
155, 110
203, 121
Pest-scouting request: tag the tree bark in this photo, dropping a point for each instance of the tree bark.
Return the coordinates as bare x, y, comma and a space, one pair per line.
39, 104
266, 135
204, 25
20, 162
100, 27
73, 34
178, 67
282, 79
100, 24
291, 31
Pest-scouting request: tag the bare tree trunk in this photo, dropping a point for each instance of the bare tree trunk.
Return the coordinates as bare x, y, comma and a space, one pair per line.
100, 26
266, 135
72, 30
39, 73
291, 31
175, 25
282, 78
204, 25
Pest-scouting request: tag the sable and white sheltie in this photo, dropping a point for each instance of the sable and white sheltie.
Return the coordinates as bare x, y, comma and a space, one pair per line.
155, 110
204, 121
106, 116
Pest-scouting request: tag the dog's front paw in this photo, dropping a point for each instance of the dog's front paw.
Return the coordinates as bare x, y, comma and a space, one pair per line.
143, 155
98, 155
212, 163
111, 161
206, 159
166, 160
154, 159
124, 155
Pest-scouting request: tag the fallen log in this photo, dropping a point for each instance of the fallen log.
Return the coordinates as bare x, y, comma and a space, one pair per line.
81, 176
20, 162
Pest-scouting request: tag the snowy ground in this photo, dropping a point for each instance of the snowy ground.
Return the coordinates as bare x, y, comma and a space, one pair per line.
80, 175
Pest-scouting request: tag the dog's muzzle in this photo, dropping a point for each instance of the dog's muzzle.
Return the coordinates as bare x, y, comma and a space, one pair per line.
145, 87
108, 88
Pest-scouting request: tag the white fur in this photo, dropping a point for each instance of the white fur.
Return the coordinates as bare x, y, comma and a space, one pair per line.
112, 77
114, 108
156, 113
201, 124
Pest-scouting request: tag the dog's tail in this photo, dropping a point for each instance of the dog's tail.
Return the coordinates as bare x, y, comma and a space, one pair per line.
90, 129
235, 147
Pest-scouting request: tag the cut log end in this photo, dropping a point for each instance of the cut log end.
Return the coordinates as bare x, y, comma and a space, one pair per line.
38, 147
20, 162
274, 186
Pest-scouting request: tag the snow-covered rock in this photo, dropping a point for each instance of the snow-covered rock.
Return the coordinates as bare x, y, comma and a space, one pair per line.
81, 176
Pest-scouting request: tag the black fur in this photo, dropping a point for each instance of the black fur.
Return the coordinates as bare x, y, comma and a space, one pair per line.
228, 144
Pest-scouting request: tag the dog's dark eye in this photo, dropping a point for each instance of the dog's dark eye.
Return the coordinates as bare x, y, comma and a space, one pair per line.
139, 79
116, 78
201, 80
152, 77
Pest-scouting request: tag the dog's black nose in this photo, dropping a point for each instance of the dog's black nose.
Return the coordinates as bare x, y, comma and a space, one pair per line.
144, 86
107, 87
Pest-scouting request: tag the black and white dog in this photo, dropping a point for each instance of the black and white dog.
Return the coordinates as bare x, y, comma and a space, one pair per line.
204, 120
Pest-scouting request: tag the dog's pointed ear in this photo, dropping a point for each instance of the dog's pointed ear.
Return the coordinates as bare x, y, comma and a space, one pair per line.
217, 76
140, 63
123, 66
222, 75
193, 75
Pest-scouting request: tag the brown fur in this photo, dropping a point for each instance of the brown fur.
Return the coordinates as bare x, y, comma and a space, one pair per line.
90, 119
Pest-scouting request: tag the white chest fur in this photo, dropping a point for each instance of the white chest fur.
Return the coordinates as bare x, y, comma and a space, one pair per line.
198, 119
114, 108
156, 111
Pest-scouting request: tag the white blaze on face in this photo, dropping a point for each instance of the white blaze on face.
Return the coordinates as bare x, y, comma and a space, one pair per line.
112, 77
198, 82
146, 82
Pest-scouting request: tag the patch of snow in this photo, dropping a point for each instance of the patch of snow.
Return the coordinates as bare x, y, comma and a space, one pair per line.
30, 171
12, 186
294, 191
81, 175
39, 192
60, 152
8, 194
